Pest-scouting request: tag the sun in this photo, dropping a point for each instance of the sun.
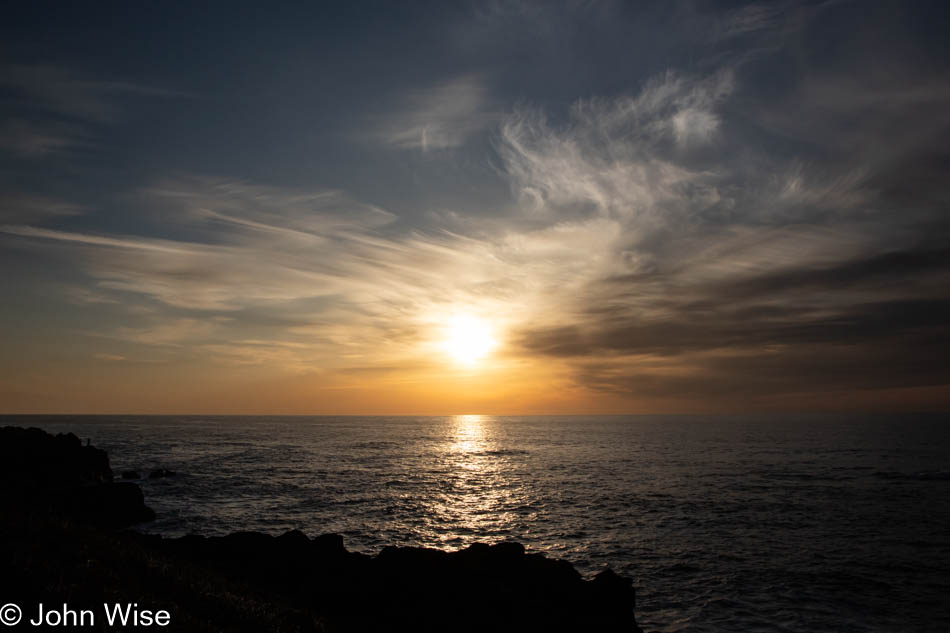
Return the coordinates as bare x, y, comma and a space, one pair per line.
468, 339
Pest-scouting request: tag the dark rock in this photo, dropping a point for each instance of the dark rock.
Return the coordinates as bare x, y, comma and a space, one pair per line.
130, 474
32, 458
160, 473
613, 596
60, 476
481, 588
108, 505
329, 544
65, 547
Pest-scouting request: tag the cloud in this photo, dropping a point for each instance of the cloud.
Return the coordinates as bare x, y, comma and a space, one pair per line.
442, 117
19, 208
747, 19
109, 357
642, 256
739, 270
173, 332
31, 140
61, 91
50, 109
696, 237
319, 274
617, 157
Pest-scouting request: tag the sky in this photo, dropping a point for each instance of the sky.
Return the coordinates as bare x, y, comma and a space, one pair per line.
499, 207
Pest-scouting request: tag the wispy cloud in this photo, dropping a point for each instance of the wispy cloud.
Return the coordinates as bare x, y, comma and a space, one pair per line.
719, 273
752, 18
109, 357
48, 109
616, 157
639, 258
20, 208
685, 238
441, 117
315, 272
30, 139
65, 92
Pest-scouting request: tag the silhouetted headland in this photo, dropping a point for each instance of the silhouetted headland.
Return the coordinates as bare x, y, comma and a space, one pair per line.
63, 543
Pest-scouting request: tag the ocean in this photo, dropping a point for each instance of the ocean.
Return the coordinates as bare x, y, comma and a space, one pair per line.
751, 523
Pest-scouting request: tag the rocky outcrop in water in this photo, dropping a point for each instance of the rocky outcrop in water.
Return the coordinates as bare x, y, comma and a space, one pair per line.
59, 545
161, 473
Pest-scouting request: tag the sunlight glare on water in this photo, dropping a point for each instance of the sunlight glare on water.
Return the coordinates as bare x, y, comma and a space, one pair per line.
476, 490
747, 523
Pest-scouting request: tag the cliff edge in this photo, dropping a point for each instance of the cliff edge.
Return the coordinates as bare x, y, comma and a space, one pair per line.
62, 543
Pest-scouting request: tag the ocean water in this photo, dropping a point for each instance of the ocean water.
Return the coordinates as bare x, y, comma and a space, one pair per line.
739, 524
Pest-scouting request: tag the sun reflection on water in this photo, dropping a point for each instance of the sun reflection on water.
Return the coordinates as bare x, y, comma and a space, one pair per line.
469, 434
478, 491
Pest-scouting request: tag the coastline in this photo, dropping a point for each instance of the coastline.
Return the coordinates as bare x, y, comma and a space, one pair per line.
65, 543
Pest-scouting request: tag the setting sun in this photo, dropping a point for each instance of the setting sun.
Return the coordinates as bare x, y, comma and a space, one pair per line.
468, 339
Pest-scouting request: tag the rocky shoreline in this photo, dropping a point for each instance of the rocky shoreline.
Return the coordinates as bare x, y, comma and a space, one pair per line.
63, 542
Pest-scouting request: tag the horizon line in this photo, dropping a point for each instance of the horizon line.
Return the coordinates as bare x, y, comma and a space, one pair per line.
497, 415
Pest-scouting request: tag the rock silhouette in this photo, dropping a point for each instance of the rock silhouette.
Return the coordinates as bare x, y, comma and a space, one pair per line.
60, 544
59, 476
